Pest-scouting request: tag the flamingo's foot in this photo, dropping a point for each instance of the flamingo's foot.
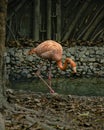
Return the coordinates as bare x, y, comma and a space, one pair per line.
52, 91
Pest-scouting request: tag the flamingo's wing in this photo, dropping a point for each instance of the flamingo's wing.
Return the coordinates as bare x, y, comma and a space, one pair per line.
47, 55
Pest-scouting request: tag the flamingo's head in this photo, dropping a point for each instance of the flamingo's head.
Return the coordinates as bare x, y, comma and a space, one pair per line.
73, 65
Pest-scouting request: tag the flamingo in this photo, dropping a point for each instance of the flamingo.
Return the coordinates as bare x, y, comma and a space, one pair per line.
52, 51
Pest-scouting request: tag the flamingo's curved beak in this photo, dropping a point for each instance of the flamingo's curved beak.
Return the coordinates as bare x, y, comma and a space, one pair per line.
73, 65
74, 70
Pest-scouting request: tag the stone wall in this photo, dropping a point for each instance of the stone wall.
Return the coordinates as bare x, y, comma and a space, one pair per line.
90, 62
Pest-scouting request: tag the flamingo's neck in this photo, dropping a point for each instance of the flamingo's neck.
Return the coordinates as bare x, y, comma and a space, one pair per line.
64, 66
32, 51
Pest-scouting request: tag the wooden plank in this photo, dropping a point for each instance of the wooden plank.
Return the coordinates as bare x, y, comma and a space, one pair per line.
78, 16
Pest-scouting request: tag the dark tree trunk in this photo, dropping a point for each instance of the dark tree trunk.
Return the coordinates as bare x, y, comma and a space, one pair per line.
3, 8
49, 19
58, 12
36, 19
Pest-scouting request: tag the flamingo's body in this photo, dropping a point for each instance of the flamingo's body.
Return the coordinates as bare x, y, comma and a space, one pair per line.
53, 51
49, 49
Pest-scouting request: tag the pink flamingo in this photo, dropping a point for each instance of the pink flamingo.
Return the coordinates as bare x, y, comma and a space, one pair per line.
52, 51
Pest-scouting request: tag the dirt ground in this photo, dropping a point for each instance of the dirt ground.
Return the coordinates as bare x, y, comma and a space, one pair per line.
38, 111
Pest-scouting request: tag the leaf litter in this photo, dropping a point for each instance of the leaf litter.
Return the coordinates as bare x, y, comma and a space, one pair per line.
39, 111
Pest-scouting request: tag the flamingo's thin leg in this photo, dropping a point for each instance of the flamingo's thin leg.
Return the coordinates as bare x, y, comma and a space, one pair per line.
50, 78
